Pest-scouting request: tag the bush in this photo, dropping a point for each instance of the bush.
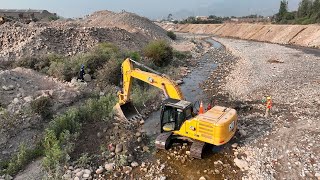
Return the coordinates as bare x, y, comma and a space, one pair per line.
42, 106
141, 96
172, 35
110, 73
22, 158
64, 129
182, 55
133, 55
160, 52
65, 68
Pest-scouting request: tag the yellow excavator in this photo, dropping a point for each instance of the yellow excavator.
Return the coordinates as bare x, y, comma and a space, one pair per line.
178, 120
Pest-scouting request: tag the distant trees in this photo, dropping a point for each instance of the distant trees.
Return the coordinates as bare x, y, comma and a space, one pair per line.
212, 19
308, 13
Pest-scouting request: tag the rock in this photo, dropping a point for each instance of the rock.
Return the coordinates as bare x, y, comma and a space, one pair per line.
142, 122
15, 100
234, 145
8, 88
111, 148
66, 176
117, 174
143, 164
27, 99
100, 170
86, 175
109, 166
242, 164
119, 148
127, 169
317, 175
74, 80
79, 174
162, 178
188, 153
242, 132
112, 155
87, 171
130, 159
87, 77
145, 149
139, 139
138, 134
134, 164
76, 178
179, 82
99, 135
202, 178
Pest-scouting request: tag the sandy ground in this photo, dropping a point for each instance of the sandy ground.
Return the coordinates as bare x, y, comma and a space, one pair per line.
284, 146
301, 35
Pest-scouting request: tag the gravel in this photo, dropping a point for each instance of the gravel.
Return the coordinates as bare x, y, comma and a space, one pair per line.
286, 144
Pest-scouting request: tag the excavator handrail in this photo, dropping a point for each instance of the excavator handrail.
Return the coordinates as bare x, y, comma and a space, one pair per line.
146, 67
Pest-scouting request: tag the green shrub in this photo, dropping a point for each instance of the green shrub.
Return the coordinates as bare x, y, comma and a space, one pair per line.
22, 158
110, 73
172, 35
42, 106
182, 54
160, 52
97, 110
64, 129
68, 121
134, 55
53, 151
141, 96
40, 63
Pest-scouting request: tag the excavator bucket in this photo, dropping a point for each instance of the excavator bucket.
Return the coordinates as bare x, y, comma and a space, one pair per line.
127, 111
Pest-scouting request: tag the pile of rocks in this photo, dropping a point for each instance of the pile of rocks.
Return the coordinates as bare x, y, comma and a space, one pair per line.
19, 40
128, 21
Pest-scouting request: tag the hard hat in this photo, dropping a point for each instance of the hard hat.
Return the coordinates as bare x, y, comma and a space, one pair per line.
269, 97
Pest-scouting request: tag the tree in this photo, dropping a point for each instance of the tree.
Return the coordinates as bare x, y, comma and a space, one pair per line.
169, 17
315, 10
282, 11
304, 9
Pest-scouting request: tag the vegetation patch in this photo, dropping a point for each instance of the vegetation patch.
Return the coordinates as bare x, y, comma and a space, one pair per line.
172, 35
160, 52
64, 129
23, 157
42, 106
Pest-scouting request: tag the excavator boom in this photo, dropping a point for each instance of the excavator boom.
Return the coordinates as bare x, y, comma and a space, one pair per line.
154, 78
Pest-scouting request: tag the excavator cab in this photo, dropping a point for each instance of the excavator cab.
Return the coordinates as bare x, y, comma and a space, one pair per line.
174, 113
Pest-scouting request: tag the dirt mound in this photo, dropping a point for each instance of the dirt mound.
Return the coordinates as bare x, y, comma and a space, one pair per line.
301, 35
128, 21
20, 40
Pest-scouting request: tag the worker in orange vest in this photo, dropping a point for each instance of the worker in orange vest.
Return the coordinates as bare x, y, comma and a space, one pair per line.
268, 106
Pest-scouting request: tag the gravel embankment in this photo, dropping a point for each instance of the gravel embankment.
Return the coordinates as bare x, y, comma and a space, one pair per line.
286, 144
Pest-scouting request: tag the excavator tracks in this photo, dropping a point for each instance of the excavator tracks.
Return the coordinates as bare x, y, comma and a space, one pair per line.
196, 149
163, 141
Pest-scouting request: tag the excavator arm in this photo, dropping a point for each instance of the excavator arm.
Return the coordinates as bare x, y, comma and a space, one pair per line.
154, 78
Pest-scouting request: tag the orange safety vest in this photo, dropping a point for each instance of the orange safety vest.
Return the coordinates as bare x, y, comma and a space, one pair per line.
269, 104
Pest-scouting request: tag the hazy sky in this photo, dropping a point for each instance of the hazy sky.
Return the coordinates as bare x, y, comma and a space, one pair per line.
153, 8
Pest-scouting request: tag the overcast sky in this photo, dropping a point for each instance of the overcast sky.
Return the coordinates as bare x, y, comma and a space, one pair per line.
153, 8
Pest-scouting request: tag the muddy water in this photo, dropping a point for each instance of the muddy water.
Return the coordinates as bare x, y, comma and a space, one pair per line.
208, 167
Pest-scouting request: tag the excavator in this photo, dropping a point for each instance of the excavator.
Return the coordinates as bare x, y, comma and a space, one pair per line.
178, 119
